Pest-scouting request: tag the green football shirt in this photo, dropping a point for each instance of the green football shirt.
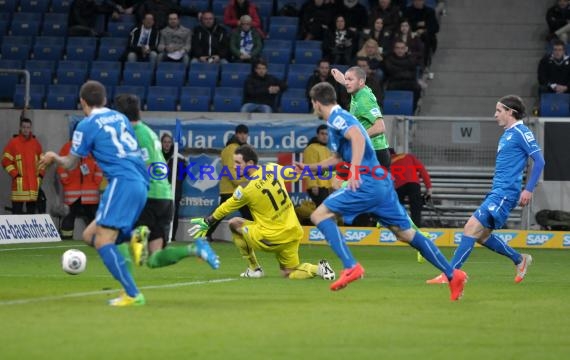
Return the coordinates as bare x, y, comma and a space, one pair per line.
364, 107
152, 153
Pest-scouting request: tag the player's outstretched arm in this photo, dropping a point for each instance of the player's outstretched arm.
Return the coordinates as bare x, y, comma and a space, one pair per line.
68, 161
338, 76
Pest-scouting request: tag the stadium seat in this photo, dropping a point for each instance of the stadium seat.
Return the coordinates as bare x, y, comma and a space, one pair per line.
71, 72
41, 71
555, 105
121, 28
54, 25
299, 75
112, 49
7, 80
195, 98
398, 102
234, 74
61, 6
81, 48
188, 21
218, 8
278, 51
170, 74
62, 97
283, 31
8, 6
138, 74
106, 72
228, 99
308, 52
26, 24
294, 101
264, 8
162, 98
34, 6
48, 48
37, 96
284, 20
4, 23
199, 5
139, 91
278, 70
297, 4
202, 75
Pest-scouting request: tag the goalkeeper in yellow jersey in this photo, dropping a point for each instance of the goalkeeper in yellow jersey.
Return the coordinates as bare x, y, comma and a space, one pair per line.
275, 227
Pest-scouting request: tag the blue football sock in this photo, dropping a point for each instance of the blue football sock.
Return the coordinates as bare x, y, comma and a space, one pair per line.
332, 233
462, 252
115, 263
498, 246
431, 253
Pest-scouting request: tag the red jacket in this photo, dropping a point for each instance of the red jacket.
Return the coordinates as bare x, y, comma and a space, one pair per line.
20, 159
405, 168
76, 184
231, 17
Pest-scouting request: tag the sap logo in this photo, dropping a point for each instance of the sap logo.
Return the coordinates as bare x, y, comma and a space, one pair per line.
506, 237
387, 237
356, 235
434, 235
538, 239
566, 240
457, 237
316, 235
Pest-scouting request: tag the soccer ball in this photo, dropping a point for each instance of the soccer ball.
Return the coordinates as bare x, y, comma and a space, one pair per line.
73, 261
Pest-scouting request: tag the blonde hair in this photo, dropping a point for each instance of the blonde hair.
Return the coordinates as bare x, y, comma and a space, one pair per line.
370, 42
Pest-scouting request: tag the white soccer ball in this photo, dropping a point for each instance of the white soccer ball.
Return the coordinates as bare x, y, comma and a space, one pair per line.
73, 261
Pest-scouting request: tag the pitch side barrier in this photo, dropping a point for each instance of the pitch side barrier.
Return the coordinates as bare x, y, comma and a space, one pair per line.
38, 228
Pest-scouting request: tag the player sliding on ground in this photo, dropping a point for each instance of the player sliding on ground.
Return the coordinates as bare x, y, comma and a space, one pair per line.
275, 227
365, 192
516, 145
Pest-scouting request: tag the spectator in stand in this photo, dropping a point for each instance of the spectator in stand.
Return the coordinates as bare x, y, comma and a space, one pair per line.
168, 153
235, 9
209, 41
423, 22
175, 41
80, 191
144, 41
558, 17
554, 70
400, 71
382, 36
354, 13
405, 169
323, 73
371, 80
371, 51
161, 9
20, 160
246, 43
389, 12
261, 90
316, 151
413, 42
315, 16
82, 20
340, 43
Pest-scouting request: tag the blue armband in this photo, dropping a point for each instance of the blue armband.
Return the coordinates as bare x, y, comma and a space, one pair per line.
536, 170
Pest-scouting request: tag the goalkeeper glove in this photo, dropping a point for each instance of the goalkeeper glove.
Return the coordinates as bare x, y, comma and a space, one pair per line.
200, 227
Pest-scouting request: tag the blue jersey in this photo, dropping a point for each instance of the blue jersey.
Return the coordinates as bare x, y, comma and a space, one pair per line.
338, 123
515, 146
108, 135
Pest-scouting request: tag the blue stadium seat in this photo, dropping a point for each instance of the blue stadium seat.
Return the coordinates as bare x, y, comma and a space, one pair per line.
203, 75
48, 48
61, 6
195, 98
296, 3
41, 71
162, 98
283, 31
228, 99
112, 49
5, 19
188, 21
106, 72
308, 52
122, 28
278, 51
299, 75
8, 6
218, 7
234, 74
15, 50
283, 20
278, 70
555, 105
200, 5
37, 96
8, 81
81, 48
26, 24
34, 6
264, 8
398, 102
139, 91
294, 101
62, 97
170, 74
429, 3
71, 72
54, 24
138, 74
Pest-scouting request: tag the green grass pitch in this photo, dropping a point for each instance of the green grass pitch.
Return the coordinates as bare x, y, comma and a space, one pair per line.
390, 314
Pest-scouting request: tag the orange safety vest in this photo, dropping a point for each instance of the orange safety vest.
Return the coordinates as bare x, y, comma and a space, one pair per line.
20, 159
77, 184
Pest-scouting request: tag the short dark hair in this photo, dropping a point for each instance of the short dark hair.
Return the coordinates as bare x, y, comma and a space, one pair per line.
242, 129
247, 153
558, 42
25, 120
130, 105
514, 103
324, 93
93, 93
322, 127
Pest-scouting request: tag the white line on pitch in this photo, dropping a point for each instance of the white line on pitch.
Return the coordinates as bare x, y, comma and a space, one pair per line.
43, 247
101, 292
